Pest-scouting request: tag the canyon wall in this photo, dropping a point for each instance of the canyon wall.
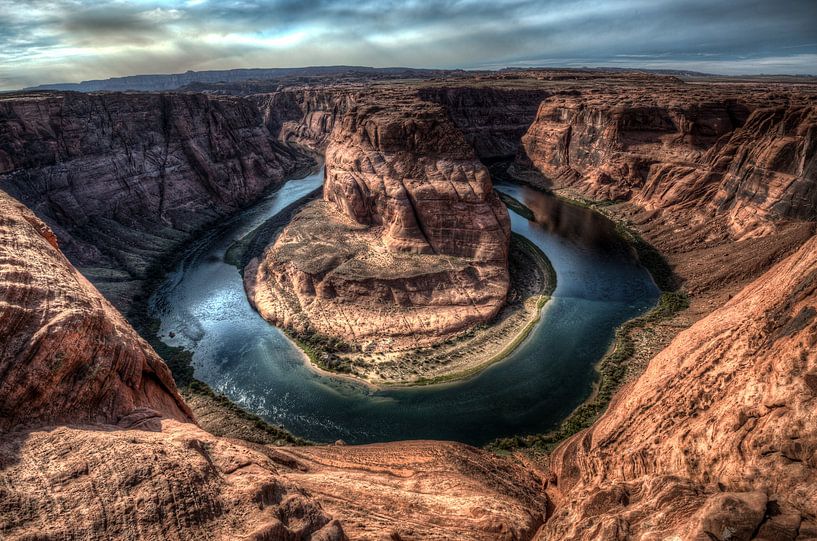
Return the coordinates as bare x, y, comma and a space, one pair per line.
122, 179
750, 158
408, 246
718, 438
305, 116
493, 119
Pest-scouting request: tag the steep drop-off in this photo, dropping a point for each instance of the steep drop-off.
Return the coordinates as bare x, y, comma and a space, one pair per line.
493, 119
751, 157
122, 179
409, 245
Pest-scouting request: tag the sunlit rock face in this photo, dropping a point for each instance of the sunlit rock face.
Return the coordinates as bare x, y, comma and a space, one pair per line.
750, 157
123, 178
65, 353
409, 245
719, 433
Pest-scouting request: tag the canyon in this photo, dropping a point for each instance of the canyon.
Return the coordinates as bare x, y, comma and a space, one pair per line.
716, 439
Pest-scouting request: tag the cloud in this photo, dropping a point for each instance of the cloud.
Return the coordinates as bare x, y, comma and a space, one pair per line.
69, 40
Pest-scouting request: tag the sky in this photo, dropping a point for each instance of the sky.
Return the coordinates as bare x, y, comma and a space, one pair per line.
47, 41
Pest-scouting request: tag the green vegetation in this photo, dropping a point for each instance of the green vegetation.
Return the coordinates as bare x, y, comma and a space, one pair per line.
612, 371
322, 350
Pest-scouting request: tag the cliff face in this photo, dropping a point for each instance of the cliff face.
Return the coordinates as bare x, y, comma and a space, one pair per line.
751, 159
492, 119
305, 116
410, 244
66, 355
720, 432
123, 178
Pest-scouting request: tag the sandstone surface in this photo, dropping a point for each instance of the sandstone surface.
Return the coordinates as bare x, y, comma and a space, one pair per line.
65, 353
719, 434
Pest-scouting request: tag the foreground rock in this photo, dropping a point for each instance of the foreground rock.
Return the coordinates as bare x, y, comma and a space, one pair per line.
409, 246
718, 435
65, 353
422, 490
95, 442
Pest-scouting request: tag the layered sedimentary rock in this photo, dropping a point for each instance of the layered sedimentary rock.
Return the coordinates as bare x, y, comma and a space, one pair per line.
719, 434
305, 116
66, 355
124, 178
409, 245
95, 442
492, 118
750, 157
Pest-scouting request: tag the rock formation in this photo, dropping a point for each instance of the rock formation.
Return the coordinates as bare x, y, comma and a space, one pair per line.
719, 434
409, 246
492, 118
750, 157
122, 179
66, 355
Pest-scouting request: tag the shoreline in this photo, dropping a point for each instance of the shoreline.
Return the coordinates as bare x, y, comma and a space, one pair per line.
501, 337
620, 363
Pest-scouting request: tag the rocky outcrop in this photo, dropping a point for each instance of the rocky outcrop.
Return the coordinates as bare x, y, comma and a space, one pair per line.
421, 490
750, 158
409, 246
122, 179
178, 482
719, 434
66, 355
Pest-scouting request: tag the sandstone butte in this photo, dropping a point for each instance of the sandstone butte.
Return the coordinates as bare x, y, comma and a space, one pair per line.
409, 244
717, 439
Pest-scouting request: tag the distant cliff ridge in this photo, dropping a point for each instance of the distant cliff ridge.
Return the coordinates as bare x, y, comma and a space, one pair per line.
174, 81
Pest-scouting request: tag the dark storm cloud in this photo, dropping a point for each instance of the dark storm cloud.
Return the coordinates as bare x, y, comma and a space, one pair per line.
50, 40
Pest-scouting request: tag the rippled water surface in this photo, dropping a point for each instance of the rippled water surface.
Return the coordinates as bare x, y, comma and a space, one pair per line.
600, 286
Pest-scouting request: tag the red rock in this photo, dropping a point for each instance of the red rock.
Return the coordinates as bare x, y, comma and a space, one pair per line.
410, 245
66, 355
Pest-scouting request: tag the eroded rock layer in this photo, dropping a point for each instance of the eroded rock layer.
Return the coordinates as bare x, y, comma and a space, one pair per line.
410, 244
719, 434
124, 178
750, 157
66, 355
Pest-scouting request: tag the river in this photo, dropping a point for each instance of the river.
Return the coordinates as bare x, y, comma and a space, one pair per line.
599, 286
